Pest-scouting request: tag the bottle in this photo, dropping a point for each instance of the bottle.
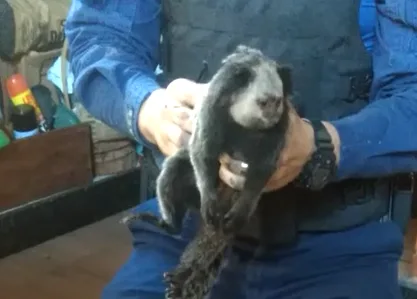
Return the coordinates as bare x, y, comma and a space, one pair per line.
4, 139
20, 93
24, 121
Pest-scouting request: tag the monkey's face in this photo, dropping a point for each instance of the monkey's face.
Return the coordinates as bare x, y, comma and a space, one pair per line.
259, 103
253, 87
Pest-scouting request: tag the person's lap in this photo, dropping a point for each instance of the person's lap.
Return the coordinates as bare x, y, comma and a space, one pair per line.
357, 264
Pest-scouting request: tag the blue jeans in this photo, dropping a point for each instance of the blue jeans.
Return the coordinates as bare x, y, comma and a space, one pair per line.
360, 263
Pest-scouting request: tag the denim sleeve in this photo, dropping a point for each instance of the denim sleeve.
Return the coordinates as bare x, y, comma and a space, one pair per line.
381, 139
114, 52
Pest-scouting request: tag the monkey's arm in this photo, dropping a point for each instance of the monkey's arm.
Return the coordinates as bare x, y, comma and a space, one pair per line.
205, 149
260, 169
176, 193
381, 139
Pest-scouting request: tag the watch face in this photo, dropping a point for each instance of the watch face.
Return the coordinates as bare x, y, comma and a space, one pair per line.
319, 177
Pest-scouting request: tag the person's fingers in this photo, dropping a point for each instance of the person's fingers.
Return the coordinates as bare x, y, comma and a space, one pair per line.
170, 149
183, 91
224, 159
232, 172
167, 132
234, 166
176, 135
171, 139
191, 97
201, 91
187, 92
182, 116
275, 185
230, 179
285, 174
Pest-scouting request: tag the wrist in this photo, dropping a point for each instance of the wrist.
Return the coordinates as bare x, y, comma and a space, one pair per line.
321, 164
334, 135
147, 115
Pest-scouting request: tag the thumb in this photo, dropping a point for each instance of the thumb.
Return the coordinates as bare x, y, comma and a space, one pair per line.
187, 92
195, 94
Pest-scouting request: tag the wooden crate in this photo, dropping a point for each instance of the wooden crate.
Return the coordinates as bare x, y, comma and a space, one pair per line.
45, 164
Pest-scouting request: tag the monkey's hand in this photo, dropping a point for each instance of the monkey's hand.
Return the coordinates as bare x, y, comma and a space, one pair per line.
239, 215
244, 202
149, 218
215, 210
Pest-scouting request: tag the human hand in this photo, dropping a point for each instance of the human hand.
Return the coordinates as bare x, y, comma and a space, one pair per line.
299, 146
165, 118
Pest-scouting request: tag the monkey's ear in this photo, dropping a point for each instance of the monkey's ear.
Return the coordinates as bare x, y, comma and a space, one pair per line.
285, 73
242, 49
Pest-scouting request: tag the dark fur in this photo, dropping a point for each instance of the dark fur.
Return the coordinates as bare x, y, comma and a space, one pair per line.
193, 171
201, 260
218, 133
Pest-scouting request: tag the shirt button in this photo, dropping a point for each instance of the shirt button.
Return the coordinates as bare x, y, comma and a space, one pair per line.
129, 120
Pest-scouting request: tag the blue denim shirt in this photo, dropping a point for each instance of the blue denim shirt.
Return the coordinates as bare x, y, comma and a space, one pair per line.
114, 54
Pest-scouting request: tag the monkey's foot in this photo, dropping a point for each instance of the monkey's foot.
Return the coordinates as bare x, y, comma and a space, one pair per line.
233, 222
187, 284
213, 212
236, 218
176, 281
149, 218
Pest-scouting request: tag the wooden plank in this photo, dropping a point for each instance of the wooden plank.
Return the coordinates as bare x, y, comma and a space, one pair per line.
45, 164
37, 221
75, 265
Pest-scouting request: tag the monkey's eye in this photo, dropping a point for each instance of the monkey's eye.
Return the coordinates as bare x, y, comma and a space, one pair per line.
243, 76
263, 102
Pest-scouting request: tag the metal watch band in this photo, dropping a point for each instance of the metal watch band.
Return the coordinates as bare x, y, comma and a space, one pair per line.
321, 167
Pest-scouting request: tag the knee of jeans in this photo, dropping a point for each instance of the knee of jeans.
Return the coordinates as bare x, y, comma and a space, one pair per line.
141, 276
108, 292
146, 232
115, 291
150, 206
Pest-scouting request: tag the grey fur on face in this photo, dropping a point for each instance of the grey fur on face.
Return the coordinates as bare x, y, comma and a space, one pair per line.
259, 105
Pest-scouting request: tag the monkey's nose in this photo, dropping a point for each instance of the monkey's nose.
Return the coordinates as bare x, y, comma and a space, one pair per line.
267, 101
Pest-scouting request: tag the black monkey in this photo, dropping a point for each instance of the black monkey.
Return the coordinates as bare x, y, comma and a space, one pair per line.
246, 115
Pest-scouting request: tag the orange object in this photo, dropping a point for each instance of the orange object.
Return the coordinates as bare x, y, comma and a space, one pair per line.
20, 93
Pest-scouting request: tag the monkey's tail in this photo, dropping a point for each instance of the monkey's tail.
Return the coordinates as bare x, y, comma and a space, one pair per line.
199, 265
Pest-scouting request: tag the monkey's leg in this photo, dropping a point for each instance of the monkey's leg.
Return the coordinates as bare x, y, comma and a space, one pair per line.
176, 189
206, 145
244, 207
206, 169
